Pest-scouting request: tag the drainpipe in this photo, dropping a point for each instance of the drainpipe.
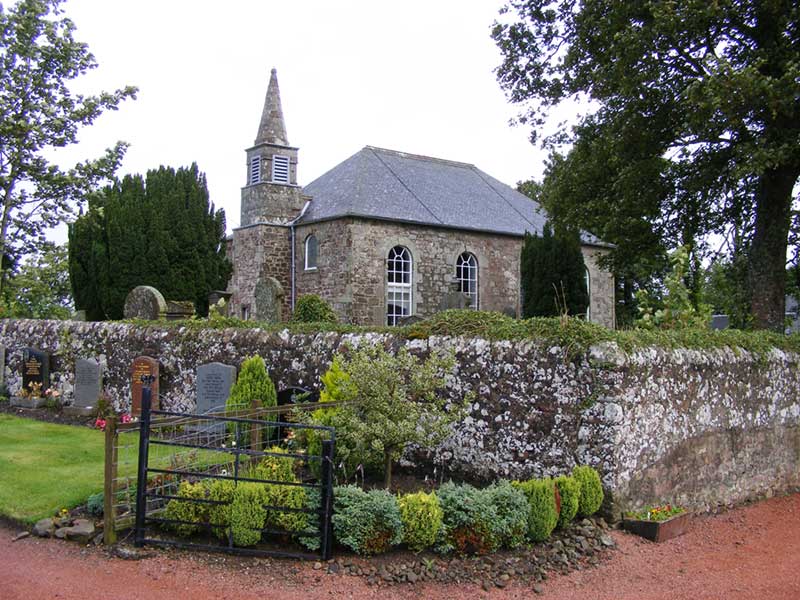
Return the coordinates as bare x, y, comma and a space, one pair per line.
293, 269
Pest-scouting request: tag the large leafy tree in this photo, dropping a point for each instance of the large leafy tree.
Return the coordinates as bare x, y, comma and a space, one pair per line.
38, 59
700, 95
40, 289
159, 230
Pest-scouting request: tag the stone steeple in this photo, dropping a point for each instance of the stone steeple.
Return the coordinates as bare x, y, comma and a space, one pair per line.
272, 129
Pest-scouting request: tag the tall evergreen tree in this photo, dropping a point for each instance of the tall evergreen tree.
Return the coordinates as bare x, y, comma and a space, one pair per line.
553, 274
159, 230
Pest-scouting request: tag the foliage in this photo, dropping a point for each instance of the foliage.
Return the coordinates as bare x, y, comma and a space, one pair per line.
676, 310
95, 505
725, 290
159, 230
471, 523
422, 520
569, 489
553, 274
39, 112
40, 287
694, 120
277, 468
252, 384
220, 490
511, 507
591, 490
366, 522
542, 508
246, 513
656, 513
186, 510
387, 403
310, 308
309, 537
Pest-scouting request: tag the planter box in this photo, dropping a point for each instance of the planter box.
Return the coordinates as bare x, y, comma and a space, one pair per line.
659, 531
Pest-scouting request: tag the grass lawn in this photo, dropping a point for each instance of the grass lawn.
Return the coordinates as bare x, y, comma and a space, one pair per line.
45, 467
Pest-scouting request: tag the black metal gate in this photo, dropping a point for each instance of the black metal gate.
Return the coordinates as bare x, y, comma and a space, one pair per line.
158, 483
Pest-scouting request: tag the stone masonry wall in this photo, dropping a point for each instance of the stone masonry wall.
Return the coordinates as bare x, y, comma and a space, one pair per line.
332, 278
696, 427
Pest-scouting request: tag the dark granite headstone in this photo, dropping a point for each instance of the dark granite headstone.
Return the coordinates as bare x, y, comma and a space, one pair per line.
88, 387
35, 378
143, 366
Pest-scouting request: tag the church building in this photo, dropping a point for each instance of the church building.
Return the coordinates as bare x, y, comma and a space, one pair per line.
383, 235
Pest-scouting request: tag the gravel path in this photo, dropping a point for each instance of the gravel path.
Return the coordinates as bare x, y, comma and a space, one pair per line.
748, 553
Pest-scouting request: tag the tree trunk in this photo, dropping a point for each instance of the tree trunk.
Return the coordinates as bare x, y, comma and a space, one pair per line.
387, 470
767, 277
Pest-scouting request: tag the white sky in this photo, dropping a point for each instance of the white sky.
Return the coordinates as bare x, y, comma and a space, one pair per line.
415, 76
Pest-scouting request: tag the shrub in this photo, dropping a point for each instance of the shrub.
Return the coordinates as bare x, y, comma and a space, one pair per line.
310, 308
253, 383
511, 507
220, 490
186, 510
246, 513
469, 519
591, 490
542, 509
277, 468
309, 536
273, 468
422, 520
366, 522
570, 490
95, 504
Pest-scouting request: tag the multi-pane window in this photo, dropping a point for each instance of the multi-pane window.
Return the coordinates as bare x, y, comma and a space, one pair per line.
311, 253
254, 176
467, 276
280, 169
399, 280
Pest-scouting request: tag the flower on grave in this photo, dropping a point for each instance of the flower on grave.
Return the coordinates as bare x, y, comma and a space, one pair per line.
125, 418
100, 423
51, 393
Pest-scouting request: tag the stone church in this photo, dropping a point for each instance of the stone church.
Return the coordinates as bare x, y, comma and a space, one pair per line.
383, 235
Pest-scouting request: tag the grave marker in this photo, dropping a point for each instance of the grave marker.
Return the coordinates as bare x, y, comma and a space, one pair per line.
35, 378
88, 387
143, 366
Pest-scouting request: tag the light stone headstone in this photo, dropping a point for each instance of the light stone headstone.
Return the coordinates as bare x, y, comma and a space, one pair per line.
145, 302
214, 382
88, 387
269, 300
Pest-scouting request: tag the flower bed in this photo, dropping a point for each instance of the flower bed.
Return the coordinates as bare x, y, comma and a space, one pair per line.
658, 523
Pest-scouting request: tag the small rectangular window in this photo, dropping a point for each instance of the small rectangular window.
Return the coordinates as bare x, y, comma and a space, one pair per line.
255, 170
280, 169
245, 312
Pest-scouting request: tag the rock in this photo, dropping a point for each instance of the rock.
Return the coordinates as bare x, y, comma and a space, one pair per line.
501, 583
317, 566
384, 574
411, 576
505, 577
82, 531
539, 589
62, 533
333, 568
44, 528
128, 553
607, 541
20, 536
486, 585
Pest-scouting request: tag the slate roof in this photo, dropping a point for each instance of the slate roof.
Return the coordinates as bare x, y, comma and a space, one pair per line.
384, 184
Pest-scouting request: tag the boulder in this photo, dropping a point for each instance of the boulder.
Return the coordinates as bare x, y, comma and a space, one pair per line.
44, 528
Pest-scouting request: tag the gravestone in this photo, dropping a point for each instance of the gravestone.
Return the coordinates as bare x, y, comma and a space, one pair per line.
455, 298
35, 378
88, 387
143, 366
214, 382
145, 302
178, 310
268, 300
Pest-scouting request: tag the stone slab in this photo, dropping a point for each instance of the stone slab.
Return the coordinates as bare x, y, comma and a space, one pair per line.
28, 402
214, 382
79, 411
88, 383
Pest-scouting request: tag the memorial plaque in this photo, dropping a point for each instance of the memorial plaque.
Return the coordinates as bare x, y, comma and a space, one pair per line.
35, 371
88, 383
214, 381
143, 366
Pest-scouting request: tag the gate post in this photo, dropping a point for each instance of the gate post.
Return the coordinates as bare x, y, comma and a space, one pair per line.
144, 440
326, 525
109, 483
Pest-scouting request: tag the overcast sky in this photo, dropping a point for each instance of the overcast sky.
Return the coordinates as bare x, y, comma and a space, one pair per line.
415, 76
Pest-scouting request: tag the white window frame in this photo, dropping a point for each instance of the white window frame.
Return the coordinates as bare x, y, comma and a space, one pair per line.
254, 174
468, 282
311, 238
399, 284
281, 168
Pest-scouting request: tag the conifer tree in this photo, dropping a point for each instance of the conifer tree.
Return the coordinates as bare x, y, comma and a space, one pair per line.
553, 274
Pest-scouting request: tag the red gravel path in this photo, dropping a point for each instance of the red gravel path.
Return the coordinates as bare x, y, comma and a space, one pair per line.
747, 553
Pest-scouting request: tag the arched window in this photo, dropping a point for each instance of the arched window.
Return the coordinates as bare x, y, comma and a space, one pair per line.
467, 276
588, 281
312, 248
398, 284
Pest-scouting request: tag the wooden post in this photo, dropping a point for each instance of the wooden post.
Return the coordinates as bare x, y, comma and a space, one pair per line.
109, 487
255, 428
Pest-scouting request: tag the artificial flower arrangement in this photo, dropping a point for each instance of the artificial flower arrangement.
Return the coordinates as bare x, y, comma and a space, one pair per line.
656, 513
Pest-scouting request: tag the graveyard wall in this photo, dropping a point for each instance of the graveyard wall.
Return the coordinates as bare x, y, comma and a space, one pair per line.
697, 427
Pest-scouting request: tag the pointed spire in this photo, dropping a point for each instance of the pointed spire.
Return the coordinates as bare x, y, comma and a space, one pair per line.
272, 129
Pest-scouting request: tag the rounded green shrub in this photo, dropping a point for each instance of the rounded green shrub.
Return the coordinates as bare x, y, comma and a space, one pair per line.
220, 490
95, 504
186, 510
310, 308
511, 507
366, 522
591, 490
542, 509
253, 383
422, 519
570, 490
273, 468
246, 513
278, 468
469, 518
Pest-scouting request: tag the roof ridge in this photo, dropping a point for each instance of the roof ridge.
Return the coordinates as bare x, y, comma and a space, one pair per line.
419, 156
